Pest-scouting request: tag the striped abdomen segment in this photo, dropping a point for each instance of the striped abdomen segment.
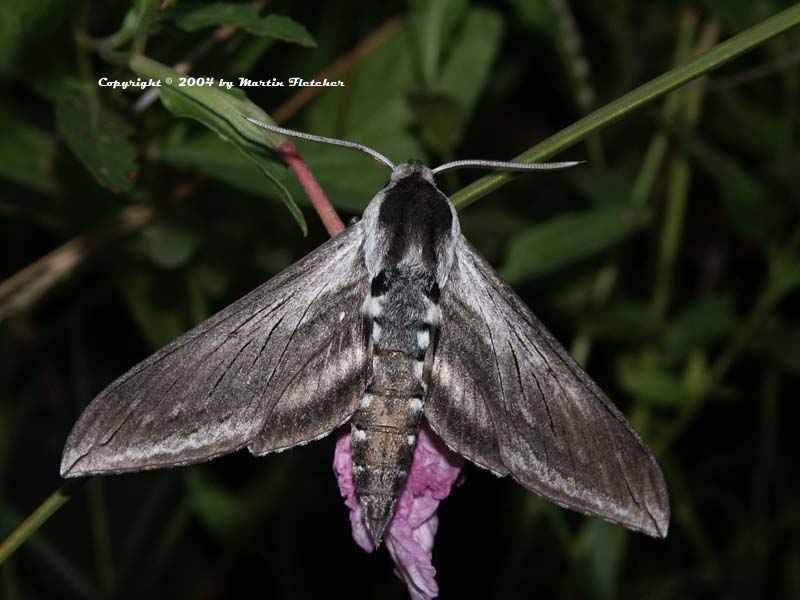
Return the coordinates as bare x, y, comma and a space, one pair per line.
384, 428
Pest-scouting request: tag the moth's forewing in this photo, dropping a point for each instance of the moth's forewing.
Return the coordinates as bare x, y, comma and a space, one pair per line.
507, 396
255, 373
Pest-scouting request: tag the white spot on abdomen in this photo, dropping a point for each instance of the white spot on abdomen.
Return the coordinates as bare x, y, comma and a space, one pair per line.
411, 439
373, 306
359, 435
376, 332
416, 404
423, 339
434, 315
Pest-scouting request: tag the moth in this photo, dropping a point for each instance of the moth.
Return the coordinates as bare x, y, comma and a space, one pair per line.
397, 318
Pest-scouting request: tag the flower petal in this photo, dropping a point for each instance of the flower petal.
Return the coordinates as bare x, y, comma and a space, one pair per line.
409, 536
343, 465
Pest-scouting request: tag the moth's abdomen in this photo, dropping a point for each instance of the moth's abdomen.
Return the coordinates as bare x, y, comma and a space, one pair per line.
401, 316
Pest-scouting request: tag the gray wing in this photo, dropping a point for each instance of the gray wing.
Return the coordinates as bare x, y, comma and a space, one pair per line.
506, 395
282, 366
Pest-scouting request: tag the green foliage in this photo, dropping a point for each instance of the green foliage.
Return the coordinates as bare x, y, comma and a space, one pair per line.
194, 16
98, 136
570, 238
669, 264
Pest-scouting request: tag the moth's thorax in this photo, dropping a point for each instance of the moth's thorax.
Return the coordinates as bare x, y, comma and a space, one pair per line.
410, 223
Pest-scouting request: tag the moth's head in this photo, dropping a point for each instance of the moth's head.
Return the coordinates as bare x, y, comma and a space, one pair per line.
411, 168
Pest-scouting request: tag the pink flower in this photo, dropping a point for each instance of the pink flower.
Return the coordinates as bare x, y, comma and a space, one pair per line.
409, 536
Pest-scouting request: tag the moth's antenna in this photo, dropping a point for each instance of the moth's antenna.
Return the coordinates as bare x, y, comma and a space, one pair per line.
319, 138
510, 166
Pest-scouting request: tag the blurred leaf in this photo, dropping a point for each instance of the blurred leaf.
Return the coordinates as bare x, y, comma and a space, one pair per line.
159, 324
624, 320
225, 114
219, 510
780, 344
249, 54
376, 115
204, 282
169, 244
734, 14
606, 546
758, 129
743, 195
539, 15
195, 15
469, 62
650, 383
432, 23
701, 323
636, 99
24, 22
443, 110
601, 189
568, 239
98, 135
784, 274
27, 154
224, 513
441, 119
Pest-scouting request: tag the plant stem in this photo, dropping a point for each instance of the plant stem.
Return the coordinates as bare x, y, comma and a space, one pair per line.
641, 96
143, 30
679, 182
327, 214
29, 526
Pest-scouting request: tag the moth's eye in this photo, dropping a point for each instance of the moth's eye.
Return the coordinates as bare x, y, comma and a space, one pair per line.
378, 287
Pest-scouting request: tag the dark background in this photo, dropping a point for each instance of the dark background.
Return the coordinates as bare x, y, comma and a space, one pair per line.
669, 264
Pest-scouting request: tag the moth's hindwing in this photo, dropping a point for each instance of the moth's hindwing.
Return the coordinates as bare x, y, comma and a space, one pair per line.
280, 367
508, 397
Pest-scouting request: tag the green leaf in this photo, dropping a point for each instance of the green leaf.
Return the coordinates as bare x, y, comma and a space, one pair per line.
470, 60
224, 113
441, 119
442, 111
703, 322
159, 324
650, 383
195, 16
565, 240
759, 129
624, 320
27, 154
781, 344
538, 15
432, 23
744, 196
226, 513
98, 136
169, 244
377, 115
600, 188
219, 510
24, 23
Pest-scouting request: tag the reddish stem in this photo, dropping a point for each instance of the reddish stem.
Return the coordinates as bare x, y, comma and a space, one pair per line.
333, 224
